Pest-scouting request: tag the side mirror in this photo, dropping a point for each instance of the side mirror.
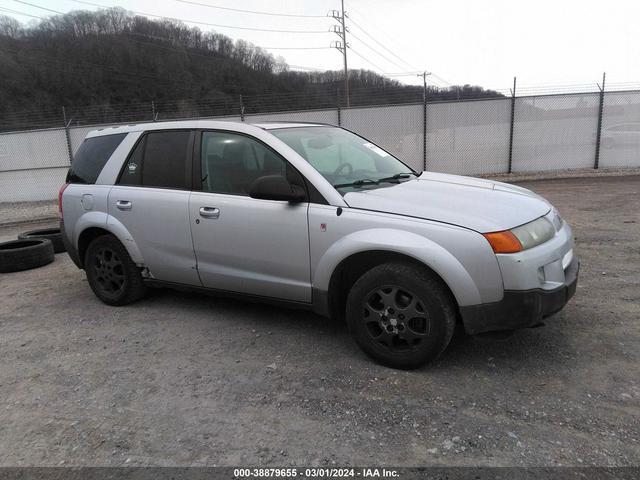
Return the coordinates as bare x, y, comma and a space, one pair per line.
276, 187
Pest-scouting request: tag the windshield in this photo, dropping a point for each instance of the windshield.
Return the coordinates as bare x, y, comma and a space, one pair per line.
347, 161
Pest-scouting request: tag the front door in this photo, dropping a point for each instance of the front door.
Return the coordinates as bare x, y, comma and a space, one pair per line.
242, 244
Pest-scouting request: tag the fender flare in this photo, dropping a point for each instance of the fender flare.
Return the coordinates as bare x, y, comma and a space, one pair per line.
94, 219
420, 248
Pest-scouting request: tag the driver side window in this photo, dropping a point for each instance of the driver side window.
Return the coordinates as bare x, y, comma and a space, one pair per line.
231, 162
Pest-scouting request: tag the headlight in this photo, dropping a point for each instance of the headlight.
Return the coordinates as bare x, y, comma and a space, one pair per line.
521, 238
556, 219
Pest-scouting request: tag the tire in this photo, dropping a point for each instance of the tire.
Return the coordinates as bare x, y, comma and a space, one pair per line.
52, 234
20, 255
113, 276
400, 315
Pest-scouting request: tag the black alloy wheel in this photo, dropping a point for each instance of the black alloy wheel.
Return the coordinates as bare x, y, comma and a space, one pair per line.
108, 269
401, 314
112, 275
395, 318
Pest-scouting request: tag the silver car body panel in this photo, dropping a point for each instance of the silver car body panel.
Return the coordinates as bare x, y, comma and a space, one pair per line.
87, 205
158, 220
469, 202
461, 257
259, 247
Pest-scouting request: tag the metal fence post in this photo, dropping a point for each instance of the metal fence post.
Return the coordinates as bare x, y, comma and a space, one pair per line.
424, 131
241, 109
338, 107
67, 136
513, 114
596, 162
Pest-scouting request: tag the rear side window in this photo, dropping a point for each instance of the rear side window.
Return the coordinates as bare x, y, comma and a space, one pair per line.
160, 159
92, 156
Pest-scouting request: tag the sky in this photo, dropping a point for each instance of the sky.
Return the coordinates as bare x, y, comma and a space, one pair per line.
546, 44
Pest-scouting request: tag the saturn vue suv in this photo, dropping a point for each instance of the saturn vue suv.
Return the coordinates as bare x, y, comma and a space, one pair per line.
314, 216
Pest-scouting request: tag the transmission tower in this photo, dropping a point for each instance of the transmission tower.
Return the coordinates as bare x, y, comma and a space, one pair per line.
341, 45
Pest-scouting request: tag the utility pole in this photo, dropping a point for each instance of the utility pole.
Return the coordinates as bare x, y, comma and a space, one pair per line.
599, 128
424, 118
424, 76
511, 126
341, 31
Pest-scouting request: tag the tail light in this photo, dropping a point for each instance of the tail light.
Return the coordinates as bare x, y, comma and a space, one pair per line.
60, 192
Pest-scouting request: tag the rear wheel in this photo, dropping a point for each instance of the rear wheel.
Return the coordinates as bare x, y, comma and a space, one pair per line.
112, 275
400, 315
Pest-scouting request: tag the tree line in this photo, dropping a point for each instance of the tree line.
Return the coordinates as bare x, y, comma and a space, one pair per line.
111, 65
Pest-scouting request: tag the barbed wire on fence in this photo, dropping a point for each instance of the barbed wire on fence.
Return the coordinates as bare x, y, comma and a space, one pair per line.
250, 103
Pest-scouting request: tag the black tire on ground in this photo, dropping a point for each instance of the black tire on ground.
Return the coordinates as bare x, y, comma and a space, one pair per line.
112, 275
52, 234
20, 255
401, 315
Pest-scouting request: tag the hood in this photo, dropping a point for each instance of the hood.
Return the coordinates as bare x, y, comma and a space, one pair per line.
481, 205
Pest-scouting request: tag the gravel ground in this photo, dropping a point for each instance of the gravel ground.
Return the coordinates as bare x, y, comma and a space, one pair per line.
185, 379
23, 212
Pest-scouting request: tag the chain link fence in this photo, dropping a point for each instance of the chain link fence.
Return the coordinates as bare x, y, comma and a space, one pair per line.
397, 129
620, 135
470, 137
555, 132
32, 164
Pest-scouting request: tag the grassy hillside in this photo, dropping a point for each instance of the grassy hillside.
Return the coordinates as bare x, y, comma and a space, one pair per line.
110, 65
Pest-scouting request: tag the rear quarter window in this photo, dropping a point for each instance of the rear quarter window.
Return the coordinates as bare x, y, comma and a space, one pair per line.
161, 159
92, 156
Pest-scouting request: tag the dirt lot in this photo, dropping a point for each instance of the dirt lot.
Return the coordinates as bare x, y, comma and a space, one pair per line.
183, 379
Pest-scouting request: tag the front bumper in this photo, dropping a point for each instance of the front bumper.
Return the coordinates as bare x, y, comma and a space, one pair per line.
521, 308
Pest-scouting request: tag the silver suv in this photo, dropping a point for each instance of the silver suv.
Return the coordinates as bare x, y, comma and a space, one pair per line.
314, 216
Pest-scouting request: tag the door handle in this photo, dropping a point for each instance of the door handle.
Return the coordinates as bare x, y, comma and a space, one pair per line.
209, 212
124, 205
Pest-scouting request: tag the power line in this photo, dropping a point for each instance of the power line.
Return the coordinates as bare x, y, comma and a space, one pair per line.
179, 19
389, 50
16, 12
379, 43
255, 12
401, 74
41, 8
295, 48
441, 79
367, 60
376, 51
302, 67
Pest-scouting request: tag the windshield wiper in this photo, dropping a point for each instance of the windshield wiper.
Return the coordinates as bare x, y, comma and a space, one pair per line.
358, 183
396, 177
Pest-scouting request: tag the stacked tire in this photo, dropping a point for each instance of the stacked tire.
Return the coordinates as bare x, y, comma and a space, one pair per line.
33, 249
52, 234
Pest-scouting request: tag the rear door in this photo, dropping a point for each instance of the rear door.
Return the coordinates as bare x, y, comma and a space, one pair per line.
151, 199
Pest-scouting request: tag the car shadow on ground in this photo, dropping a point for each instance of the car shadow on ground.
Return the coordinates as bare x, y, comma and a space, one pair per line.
532, 348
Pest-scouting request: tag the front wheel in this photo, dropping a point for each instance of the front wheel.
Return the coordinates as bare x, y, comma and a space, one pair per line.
400, 315
112, 275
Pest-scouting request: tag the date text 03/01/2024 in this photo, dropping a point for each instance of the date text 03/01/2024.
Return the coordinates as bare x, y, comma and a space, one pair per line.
314, 473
